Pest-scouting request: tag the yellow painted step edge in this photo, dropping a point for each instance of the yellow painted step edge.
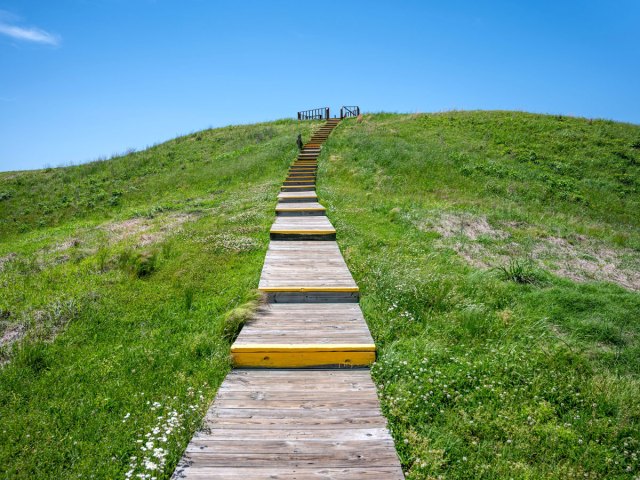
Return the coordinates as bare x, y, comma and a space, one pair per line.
302, 359
298, 198
305, 347
303, 232
309, 289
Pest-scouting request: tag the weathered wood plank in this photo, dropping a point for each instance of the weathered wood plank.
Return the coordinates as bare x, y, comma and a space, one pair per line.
305, 266
336, 431
281, 473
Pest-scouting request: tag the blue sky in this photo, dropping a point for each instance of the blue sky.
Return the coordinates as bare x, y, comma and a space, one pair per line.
83, 79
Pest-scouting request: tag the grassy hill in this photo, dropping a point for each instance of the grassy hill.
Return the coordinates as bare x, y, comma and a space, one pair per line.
498, 255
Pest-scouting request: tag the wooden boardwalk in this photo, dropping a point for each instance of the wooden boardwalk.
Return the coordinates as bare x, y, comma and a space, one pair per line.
293, 424
295, 407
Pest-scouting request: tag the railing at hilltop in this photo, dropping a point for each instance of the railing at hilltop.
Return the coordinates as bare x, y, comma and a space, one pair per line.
350, 111
314, 114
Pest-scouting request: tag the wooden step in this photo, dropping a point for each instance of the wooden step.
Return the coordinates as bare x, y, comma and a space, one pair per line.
286, 335
306, 271
293, 424
300, 178
294, 197
297, 188
293, 183
302, 228
286, 209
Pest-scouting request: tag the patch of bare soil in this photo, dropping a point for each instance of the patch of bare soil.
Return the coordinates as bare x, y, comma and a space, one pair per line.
169, 225
12, 333
66, 245
229, 242
142, 227
583, 260
470, 226
588, 260
6, 259
122, 230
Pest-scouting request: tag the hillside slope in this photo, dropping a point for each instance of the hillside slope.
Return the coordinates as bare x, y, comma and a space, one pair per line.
497, 253
119, 279
499, 258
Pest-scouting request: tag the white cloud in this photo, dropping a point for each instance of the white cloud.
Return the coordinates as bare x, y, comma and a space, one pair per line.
27, 34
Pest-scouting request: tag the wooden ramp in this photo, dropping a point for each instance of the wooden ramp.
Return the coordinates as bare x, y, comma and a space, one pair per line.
301, 403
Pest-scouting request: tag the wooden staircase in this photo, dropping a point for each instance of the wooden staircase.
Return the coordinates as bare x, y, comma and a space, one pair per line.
301, 403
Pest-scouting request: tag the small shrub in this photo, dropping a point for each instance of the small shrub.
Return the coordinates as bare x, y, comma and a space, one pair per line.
5, 196
138, 264
115, 198
521, 271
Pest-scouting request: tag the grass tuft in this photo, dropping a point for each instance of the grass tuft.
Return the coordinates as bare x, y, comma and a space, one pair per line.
235, 319
521, 271
138, 264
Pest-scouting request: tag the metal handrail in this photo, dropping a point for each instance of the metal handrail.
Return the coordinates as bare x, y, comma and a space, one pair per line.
349, 111
314, 114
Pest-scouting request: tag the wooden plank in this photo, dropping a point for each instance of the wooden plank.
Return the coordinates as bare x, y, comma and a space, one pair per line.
283, 473
300, 225
294, 404
299, 188
305, 266
302, 208
305, 196
303, 359
331, 434
302, 347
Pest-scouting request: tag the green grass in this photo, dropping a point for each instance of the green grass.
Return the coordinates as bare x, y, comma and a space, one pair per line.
127, 279
464, 231
497, 255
